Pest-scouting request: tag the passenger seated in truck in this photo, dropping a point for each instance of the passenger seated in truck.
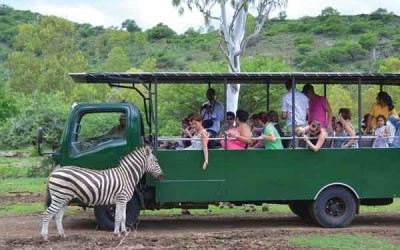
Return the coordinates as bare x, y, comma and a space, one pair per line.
270, 138
382, 132
395, 120
349, 131
200, 138
186, 133
243, 135
314, 135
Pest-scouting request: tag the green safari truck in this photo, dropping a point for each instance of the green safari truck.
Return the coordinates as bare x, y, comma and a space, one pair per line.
326, 187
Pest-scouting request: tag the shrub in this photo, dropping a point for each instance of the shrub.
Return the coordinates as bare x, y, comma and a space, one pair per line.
39, 109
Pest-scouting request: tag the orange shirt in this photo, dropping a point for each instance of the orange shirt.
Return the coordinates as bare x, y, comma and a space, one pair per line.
377, 109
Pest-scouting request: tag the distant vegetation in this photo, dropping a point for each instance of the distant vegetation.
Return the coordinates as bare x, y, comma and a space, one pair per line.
37, 52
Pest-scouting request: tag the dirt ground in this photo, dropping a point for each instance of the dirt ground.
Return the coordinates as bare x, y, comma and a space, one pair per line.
250, 230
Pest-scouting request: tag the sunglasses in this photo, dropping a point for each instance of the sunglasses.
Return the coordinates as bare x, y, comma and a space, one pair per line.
315, 125
229, 118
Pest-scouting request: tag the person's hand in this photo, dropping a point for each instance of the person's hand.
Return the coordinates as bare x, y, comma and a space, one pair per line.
344, 146
299, 131
232, 135
306, 138
340, 118
205, 165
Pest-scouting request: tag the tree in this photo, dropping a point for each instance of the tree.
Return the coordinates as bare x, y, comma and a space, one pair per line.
329, 12
117, 60
44, 53
131, 26
233, 38
282, 15
370, 43
160, 31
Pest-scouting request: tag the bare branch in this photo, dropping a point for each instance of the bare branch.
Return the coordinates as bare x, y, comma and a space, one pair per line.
235, 15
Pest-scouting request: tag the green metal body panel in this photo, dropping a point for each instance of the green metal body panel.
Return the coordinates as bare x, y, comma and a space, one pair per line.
276, 175
107, 155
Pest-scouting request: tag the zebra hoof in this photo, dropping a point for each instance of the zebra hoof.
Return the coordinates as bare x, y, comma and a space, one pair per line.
124, 233
117, 234
44, 237
61, 236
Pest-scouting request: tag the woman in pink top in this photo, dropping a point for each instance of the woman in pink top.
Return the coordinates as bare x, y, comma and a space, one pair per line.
319, 108
241, 133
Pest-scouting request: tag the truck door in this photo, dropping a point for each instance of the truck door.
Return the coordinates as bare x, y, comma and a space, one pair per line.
98, 138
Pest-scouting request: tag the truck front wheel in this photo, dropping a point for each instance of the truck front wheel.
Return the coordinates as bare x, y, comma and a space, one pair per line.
105, 214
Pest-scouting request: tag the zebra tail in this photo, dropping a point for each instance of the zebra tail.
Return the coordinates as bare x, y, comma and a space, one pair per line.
47, 197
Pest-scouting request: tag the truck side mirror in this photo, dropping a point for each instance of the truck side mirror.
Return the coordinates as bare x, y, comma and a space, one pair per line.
39, 142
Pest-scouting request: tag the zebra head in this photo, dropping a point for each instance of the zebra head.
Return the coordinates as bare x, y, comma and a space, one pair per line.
152, 167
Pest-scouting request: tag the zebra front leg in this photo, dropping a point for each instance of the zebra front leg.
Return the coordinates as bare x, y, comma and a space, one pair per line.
120, 209
47, 215
58, 218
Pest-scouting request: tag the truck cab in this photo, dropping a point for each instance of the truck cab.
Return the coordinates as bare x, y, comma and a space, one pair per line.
97, 136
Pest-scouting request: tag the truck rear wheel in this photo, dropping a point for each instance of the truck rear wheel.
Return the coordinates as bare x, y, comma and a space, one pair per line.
334, 207
105, 214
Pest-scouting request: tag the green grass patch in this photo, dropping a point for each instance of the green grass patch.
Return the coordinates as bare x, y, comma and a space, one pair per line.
29, 208
394, 207
357, 241
22, 208
34, 185
13, 167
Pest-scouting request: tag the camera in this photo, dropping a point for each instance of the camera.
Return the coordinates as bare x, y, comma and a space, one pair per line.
206, 106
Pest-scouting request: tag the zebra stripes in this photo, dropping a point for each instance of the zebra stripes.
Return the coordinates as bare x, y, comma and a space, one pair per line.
98, 187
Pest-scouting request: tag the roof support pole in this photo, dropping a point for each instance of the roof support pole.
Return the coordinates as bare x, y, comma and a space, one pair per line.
154, 112
268, 99
359, 109
293, 114
225, 106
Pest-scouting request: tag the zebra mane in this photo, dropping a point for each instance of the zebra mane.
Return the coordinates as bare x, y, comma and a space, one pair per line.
138, 153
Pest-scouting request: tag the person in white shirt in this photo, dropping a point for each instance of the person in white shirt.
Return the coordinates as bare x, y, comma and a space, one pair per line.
212, 113
300, 108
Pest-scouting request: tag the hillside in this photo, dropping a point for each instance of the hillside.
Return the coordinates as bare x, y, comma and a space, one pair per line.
37, 52
329, 42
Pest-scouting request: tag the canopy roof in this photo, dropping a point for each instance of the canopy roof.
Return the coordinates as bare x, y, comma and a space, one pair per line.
245, 77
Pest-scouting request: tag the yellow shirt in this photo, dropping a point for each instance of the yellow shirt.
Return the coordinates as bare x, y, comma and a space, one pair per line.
377, 109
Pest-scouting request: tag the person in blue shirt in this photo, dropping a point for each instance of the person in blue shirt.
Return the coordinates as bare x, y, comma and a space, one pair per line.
395, 120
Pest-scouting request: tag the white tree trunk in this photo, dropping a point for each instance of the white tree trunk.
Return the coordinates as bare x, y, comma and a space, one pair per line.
233, 35
233, 32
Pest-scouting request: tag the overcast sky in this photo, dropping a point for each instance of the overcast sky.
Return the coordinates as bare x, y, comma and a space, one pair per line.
148, 13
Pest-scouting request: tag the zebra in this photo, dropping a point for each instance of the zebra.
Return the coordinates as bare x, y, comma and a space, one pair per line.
98, 187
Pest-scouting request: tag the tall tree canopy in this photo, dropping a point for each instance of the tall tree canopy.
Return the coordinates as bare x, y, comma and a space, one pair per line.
233, 36
44, 53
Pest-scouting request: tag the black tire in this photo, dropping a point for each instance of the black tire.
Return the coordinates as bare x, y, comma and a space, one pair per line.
301, 209
105, 214
334, 207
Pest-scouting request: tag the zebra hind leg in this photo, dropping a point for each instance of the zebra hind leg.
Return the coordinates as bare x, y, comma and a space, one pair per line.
58, 218
120, 210
47, 216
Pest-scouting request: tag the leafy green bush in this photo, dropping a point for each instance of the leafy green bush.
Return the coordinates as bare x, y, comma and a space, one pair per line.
39, 109
304, 39
358, 27
43, 169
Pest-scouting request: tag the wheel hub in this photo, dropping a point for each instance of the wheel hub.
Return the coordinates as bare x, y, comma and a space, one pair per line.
335, 207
